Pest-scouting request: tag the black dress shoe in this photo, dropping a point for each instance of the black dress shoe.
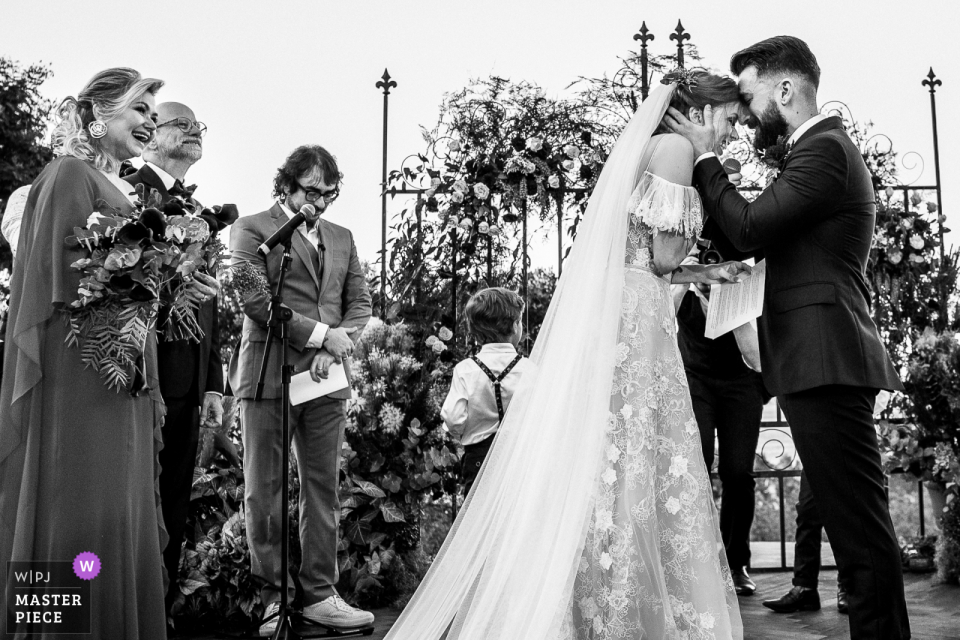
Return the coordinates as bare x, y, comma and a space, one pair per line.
797, 599
742, 583
841, 599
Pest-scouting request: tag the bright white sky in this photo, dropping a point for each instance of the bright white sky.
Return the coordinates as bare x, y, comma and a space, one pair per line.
267, 76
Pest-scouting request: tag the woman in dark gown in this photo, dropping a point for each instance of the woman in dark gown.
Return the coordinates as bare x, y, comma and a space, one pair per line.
78, 461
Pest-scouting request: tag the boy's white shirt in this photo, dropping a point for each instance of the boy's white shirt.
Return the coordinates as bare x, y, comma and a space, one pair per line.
470, 411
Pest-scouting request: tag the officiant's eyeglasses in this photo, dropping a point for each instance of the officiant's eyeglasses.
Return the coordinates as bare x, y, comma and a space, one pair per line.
312, 195
186, 125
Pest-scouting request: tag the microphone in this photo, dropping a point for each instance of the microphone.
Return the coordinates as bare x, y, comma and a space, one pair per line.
281, 235
731, 165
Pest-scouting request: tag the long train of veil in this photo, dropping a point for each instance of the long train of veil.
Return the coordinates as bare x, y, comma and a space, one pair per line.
508, 565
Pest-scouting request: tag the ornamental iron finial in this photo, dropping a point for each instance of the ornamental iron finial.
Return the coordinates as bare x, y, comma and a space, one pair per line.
386, 83
644, 35
679, 35
932, 81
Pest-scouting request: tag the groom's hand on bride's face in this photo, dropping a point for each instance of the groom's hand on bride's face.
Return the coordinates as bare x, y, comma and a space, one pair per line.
701, 136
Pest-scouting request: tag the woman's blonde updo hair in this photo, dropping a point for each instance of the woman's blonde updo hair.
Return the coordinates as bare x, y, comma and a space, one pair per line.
105, 96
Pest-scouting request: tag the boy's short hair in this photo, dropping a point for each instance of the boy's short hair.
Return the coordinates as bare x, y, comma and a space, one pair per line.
491, 314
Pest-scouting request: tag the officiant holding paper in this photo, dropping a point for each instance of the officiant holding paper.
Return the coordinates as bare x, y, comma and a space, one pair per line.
328, 295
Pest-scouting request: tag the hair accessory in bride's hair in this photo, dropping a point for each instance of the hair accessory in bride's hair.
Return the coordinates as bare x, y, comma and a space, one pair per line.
683, 77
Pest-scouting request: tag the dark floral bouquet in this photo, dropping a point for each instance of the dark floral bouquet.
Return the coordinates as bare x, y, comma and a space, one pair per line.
135, 263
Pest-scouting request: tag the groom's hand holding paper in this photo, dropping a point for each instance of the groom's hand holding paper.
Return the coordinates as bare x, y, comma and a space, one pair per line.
735, 304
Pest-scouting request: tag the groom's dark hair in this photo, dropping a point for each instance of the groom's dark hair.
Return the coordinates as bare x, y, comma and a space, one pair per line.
780, 54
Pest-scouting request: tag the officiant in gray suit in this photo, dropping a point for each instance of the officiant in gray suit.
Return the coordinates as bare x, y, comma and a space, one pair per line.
326, 290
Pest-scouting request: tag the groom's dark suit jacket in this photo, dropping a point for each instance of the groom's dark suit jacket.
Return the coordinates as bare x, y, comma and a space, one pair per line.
187, 370
814, 226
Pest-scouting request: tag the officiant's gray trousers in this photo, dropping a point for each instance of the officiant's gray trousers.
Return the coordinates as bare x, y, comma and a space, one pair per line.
316, 428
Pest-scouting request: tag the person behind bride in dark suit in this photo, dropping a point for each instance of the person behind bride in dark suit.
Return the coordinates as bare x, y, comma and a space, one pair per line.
78, 460
191, 373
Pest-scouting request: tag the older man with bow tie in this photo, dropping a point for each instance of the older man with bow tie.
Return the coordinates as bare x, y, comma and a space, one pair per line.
191, 374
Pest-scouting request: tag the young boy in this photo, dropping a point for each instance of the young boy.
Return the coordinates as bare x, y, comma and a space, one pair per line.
483, 384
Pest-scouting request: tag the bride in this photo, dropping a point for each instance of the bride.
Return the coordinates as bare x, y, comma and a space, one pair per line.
593, 516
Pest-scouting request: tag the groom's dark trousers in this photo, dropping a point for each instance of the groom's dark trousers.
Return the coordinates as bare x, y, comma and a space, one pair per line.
821, 352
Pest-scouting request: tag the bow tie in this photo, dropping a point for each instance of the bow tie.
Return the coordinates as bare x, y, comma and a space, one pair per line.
178, 189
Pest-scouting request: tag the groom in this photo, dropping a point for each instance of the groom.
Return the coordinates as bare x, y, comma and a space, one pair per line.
820, 351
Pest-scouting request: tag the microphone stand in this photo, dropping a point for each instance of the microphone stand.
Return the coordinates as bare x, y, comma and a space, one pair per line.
279, 317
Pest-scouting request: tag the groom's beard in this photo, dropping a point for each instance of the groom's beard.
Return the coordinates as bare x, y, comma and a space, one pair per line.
771, 126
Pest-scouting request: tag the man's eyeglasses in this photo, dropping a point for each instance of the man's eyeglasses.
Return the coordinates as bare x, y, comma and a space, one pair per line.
186, 125
312, 195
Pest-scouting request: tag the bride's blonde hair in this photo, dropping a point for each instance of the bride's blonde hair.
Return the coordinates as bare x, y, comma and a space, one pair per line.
105, 96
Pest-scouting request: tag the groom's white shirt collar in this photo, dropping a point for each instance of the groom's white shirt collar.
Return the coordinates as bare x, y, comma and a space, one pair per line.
802, 129
167, 179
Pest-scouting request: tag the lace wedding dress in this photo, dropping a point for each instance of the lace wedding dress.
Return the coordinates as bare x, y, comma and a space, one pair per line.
652, 560
593, 516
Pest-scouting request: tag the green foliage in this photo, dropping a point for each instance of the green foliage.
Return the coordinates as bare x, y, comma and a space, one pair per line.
396, 454
215, 582
23, 121
948, 543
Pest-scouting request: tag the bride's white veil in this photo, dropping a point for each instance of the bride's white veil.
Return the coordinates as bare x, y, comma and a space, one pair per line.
507, 567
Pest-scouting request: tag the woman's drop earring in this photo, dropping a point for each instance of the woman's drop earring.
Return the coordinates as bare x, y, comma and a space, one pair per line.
97, 129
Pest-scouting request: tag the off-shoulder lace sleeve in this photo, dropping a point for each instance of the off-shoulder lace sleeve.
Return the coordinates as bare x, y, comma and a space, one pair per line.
666, 206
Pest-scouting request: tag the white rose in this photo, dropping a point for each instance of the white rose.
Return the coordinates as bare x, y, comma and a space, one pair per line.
895, 257
572, 151
435, 182
553, 182
445, 334
95, 218
907, 222
454, 145
481, 191
439, 347
918, 259
466, 223
432, 340
457, 197
483, 227
534, 144
889, 191
916, 242
460, 186
494, 230
569, 165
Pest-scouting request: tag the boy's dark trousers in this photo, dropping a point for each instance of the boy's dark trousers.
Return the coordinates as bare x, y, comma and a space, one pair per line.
473, 457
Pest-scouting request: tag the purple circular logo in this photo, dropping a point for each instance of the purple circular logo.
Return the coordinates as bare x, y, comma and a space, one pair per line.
86, 565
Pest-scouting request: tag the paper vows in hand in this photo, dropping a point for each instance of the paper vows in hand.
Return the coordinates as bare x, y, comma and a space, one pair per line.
303, 388
736, 303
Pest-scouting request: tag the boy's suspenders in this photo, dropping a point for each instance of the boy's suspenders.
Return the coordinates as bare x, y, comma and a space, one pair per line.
497, 379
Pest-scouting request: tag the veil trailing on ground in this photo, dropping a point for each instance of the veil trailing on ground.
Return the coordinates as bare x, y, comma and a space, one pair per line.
508, 565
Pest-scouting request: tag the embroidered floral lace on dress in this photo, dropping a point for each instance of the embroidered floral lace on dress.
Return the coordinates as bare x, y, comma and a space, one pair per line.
659, 205
653, 561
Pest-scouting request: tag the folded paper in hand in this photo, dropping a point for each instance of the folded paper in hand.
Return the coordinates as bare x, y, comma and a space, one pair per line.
736, 303
303, 388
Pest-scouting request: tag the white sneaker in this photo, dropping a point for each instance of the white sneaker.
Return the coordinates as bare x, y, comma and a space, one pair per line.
334, 612
268, 627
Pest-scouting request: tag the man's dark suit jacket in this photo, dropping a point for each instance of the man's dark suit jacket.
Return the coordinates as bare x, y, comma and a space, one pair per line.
814, 226
179, 357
